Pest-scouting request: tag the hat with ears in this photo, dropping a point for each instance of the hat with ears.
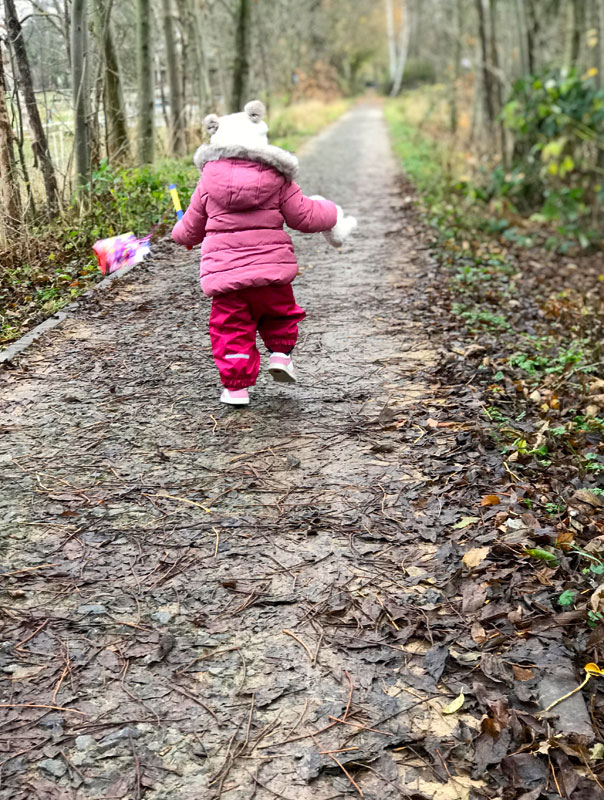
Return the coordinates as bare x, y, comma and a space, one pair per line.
245, 129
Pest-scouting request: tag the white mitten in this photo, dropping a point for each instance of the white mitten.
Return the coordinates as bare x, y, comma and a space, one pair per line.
344, 226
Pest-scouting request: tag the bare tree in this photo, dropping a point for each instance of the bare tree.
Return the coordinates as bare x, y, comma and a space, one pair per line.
390, 33
79, 87
600, 12
241, 71
39, 141
9, 185
486, 83
402, 49
177, 138
145, 82
118, 144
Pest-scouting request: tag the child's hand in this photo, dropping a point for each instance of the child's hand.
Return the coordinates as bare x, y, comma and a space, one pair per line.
344, 226
341, 230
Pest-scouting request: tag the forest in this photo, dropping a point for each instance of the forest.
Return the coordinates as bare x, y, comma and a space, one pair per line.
386, 580
100, 103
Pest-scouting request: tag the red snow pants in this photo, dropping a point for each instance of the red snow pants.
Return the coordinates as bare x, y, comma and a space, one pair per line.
235, 319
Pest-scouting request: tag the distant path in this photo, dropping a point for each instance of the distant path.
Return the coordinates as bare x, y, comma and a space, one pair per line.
163, 622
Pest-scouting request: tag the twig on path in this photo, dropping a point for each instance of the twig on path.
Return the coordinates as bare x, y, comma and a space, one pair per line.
349, 696
267, 788
300, 642
180, 500
72, 766
26, 569
38, 705
360, 726
195, 699
348, 775
31, 635
203, 658
217, 532
66, 670
340, 750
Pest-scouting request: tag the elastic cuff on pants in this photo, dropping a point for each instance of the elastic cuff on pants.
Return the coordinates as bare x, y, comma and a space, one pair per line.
280, 347
234, 385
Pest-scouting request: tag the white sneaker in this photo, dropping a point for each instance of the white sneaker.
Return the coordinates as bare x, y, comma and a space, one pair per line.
235, 397
281, 367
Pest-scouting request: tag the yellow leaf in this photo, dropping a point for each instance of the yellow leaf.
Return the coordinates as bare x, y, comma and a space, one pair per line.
465, 521
593, 669
475, 556
455, 705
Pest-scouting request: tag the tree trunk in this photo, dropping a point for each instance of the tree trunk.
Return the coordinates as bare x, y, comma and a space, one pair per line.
455, 71
532, 36
241, 70
118, 144
496, 75
145, 82
391, 42
9, 184
522, 28
39, 143
80, 90
487, 80
204, 87
575, 26
600, 9
403, 49
177, 139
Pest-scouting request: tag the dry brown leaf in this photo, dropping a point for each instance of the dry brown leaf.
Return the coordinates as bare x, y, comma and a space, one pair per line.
478, 633
490, 500
475, 556
596, 601
522, 673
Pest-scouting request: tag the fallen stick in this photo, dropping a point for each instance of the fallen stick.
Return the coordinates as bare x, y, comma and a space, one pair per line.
300, 642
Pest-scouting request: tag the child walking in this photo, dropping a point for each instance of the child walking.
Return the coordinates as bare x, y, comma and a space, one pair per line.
245, 195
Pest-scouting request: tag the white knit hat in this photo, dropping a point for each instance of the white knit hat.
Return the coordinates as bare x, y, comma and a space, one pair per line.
245, 128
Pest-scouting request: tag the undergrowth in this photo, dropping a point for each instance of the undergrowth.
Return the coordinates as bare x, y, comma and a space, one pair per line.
528, 332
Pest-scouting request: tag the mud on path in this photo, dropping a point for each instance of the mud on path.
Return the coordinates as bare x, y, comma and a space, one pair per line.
215, 600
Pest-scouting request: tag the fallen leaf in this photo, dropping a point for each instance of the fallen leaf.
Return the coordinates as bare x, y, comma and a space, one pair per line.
454, 705
522, 674
490, 500
475, 556
464, 522
478, 633
596, 600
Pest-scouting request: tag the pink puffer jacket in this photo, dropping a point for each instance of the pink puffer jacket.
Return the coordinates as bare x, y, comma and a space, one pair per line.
238, 210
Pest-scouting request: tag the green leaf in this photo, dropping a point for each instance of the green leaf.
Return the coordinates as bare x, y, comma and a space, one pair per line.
455, 705
567, 598
542, 555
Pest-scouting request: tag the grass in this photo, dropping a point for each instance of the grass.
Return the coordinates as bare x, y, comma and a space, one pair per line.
51, 264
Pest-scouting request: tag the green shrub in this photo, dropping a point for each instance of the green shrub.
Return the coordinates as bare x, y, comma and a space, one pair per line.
558, 124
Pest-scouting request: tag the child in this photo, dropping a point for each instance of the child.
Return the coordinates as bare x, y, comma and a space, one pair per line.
245, 194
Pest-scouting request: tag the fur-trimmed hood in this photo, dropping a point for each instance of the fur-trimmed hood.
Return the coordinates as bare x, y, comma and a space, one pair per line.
280, 160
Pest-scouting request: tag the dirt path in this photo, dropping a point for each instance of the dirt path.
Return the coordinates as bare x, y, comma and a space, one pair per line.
200, 590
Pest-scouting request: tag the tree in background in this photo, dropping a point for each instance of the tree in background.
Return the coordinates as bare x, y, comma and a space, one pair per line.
39, 141
145, 82
241, 70
80, 90
118, 144
177, 133
11, 200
